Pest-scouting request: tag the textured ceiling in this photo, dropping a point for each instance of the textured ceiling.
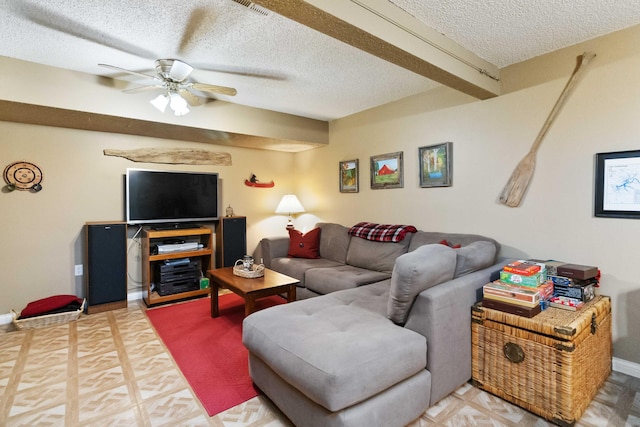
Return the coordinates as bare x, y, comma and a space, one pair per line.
505, 32
278, 64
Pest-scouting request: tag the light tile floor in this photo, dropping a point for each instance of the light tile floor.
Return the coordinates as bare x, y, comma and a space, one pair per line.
112, 369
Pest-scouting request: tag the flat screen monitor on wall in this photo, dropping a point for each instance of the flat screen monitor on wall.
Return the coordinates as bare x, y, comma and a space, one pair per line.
166, 197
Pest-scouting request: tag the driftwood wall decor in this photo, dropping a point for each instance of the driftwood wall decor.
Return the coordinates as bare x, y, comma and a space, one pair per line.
173, 156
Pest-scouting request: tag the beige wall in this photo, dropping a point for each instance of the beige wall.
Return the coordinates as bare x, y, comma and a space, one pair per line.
41, 232
555, 221
38, 84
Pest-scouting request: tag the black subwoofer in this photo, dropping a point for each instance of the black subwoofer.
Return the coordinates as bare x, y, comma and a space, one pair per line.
106, 275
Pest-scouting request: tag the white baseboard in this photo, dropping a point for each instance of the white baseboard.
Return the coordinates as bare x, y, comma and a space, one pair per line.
5, 319
626, 367
134, 296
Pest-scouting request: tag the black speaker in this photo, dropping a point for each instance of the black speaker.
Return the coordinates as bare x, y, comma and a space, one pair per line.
231, 240
106, 276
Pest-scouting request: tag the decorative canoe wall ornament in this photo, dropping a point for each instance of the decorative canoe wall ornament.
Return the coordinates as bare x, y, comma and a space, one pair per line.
253, 182
173, 156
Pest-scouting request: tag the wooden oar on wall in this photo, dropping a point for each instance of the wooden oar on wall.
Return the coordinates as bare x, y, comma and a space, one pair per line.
516, 187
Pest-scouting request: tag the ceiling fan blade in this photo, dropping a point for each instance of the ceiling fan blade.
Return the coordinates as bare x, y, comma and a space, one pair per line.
200, 20
191, 99
257, 74
143, 88
146, 76
50, 19
222, 90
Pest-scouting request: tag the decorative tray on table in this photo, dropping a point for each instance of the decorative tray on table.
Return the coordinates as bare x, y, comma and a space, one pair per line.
257, 270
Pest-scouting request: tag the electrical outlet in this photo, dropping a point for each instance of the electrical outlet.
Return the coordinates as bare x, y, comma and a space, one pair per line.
78, 270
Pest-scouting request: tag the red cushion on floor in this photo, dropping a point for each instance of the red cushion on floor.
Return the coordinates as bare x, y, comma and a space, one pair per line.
45, 305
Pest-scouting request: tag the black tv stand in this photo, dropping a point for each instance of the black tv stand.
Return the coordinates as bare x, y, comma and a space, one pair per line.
174, 226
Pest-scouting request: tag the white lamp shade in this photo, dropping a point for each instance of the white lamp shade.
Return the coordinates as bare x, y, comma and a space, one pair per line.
173, 100
178, 105
160, 102
289, 205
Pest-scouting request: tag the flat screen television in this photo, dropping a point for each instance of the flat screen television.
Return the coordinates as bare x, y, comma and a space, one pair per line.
170, 199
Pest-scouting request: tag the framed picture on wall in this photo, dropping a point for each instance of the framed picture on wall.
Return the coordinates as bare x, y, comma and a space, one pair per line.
617, 185
435, 165
349, 176
387, 171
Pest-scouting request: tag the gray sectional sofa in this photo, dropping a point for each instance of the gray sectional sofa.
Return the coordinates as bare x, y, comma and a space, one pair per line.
386, 335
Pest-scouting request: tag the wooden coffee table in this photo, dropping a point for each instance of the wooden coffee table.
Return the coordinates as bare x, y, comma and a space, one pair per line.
272, 283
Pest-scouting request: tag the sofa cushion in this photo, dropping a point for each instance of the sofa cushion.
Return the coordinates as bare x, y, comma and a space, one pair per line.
305, 245
296, 267
377, 256
429, 237
327, 280
334, 353
474, 256
427, 266
334, 241
373, 297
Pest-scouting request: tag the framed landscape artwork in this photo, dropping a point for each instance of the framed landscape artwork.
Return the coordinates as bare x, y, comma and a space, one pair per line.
435, 165
349, 179
387, 171
617, 186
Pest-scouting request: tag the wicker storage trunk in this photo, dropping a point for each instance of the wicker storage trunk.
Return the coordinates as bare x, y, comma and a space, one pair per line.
551, 364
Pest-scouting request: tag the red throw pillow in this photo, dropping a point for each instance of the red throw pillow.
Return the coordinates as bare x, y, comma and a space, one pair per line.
446, 243
48, 304
304, 245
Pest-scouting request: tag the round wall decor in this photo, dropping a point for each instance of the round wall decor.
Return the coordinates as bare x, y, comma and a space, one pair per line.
23, 176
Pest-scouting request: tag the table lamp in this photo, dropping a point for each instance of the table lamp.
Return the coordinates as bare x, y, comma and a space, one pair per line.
289, 205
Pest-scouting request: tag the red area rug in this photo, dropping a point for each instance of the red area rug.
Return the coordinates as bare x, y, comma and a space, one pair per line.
209, 351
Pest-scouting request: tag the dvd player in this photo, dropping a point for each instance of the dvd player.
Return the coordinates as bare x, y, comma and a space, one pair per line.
178, 275
178, 247
172, 288
168, 268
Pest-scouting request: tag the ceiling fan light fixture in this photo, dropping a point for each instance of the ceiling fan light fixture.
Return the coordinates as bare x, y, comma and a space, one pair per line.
160, 102
172, 78
178, 104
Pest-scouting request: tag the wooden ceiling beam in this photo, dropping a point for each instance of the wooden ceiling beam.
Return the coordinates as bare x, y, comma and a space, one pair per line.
386, 31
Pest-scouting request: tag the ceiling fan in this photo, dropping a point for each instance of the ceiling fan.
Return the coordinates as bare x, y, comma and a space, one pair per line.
171, 76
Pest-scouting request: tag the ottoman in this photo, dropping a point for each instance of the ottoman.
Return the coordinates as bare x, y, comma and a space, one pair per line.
326, 361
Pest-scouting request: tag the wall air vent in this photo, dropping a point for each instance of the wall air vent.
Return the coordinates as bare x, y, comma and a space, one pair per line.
254, 7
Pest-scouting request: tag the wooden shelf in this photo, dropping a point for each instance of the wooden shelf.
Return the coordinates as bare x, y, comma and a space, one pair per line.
158, 299
182, 232
185, 254
150, 238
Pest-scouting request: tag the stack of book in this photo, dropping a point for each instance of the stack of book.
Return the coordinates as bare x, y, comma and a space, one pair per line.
573, 285
522, 286
526, 287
